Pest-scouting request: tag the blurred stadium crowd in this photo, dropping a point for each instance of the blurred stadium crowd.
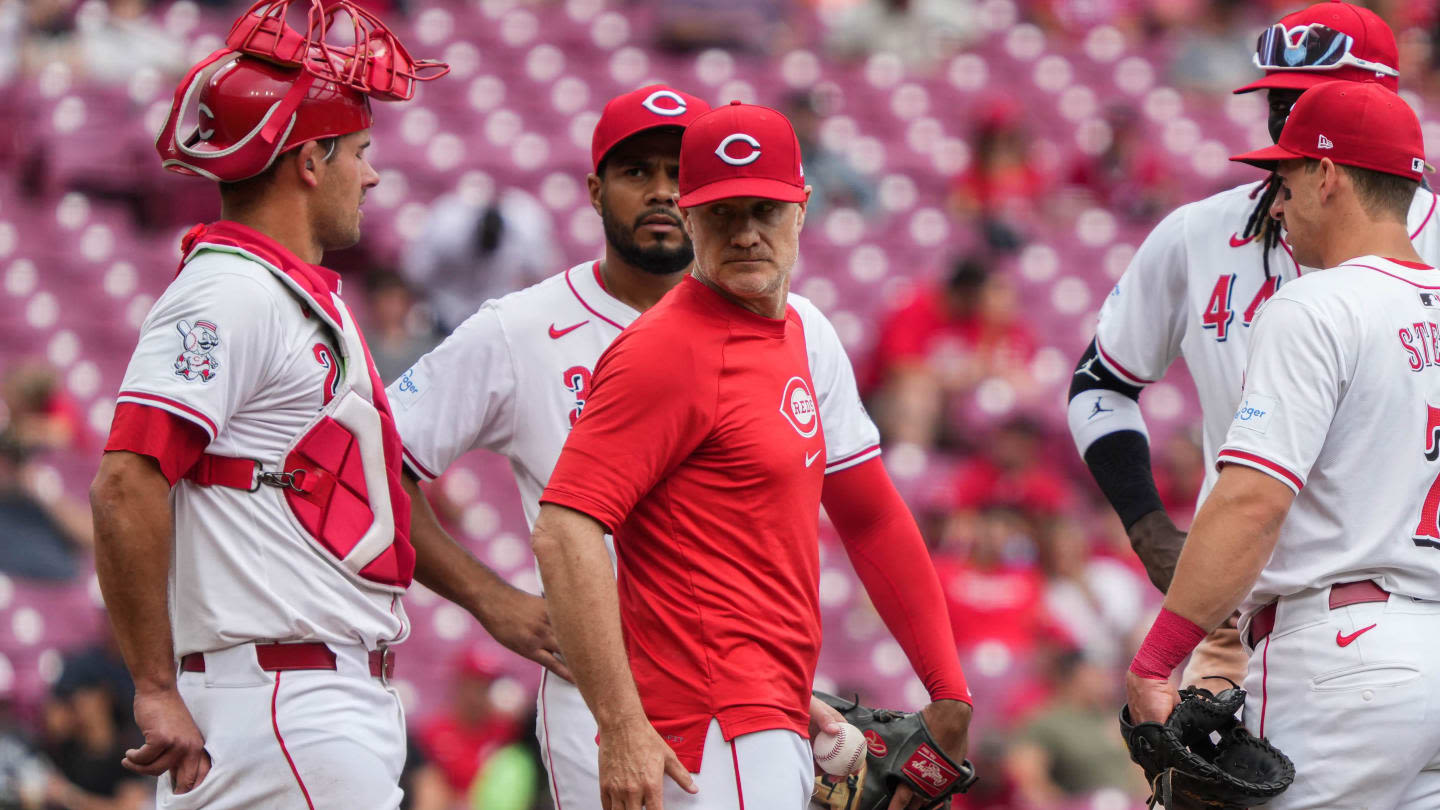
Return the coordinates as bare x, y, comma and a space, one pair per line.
984, 170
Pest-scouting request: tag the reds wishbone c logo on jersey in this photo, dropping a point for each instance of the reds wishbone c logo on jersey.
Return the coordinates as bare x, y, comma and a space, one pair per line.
797, 405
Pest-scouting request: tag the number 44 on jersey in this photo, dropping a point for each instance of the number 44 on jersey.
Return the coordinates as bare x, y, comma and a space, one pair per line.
1219, 313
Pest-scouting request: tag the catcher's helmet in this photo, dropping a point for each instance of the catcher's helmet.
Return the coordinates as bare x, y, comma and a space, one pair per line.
272, 88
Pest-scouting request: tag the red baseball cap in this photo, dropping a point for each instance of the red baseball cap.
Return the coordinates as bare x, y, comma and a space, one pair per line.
1373, 42
740, 150
647, 108
1354, 124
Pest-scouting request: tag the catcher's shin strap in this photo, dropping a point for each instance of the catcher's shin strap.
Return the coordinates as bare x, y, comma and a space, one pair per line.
1341, 595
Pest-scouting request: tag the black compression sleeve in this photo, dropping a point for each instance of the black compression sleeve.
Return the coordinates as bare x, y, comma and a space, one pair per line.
1120, 461
1090, 374
1120, 464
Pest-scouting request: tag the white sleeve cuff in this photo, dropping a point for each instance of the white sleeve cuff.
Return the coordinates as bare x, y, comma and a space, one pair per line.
1100, 412
1276, 470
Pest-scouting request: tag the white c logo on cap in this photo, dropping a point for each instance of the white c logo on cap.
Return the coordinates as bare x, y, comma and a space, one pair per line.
669, 112
720, 151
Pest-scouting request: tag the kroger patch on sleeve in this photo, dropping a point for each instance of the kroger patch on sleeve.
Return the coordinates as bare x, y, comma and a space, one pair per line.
411, 386
1256, 411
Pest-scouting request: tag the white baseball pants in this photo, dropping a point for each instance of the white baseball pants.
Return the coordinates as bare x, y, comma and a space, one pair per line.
766, 770
1349, 694
310, 739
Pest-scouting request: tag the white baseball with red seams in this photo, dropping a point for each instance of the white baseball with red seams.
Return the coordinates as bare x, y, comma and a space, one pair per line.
839, 754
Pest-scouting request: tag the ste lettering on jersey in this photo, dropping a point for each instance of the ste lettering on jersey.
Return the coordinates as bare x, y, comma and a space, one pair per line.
700, 450
238, 347
1342, 404
1195, 288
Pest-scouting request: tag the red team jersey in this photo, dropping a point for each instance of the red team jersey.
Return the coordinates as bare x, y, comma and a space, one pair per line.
698, 450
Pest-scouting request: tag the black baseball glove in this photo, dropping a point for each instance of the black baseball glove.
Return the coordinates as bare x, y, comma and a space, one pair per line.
900, 752
1201, 757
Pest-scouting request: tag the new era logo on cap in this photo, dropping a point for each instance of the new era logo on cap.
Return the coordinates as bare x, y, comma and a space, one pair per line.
740, 150
1325, 143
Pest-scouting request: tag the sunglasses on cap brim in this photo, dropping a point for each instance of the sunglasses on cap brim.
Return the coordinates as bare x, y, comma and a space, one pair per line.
1311, 47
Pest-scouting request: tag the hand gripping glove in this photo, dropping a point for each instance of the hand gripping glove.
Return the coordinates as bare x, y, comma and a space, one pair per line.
1201, 757
901, 752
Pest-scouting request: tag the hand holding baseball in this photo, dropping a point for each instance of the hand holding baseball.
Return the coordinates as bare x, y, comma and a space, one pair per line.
839, 749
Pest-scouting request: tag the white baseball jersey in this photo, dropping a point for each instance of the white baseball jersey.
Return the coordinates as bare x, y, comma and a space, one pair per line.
1194, 289
230, 349
1342, 404
514, 377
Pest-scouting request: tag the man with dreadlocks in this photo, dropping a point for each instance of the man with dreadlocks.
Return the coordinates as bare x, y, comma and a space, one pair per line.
1194, 288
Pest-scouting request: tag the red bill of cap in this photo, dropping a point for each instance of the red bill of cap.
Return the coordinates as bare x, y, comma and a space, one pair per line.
740, 150
1374, 42
647, 108
1354, 124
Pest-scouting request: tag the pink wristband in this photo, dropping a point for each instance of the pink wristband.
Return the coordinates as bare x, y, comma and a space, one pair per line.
1171, 638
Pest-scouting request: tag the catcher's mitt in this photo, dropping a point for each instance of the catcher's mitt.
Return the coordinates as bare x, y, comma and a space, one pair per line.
1201, 757
900, 751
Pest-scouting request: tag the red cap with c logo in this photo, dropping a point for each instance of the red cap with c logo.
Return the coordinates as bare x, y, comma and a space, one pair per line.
740, 150
1357, 124
639, 110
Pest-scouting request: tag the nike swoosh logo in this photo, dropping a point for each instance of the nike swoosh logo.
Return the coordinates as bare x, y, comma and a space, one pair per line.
810, 457
1344, 640
1239, 241
556, 334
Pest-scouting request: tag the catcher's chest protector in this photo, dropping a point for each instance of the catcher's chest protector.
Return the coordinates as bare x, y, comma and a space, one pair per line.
340, 475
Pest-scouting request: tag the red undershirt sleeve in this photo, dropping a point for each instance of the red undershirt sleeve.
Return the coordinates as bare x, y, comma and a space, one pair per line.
888, 553
175, 443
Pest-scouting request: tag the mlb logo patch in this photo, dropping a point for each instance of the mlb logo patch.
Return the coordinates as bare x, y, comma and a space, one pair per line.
1430, 300
1417, 165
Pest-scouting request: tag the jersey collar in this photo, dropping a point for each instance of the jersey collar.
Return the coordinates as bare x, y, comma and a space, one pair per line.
227, 232
318, 286
736, 314
584, 282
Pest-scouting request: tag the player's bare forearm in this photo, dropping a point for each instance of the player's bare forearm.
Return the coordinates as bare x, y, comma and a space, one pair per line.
442, 564
130, 500
1157, 542
1229, 545
575, 567
516, 619
585, 609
